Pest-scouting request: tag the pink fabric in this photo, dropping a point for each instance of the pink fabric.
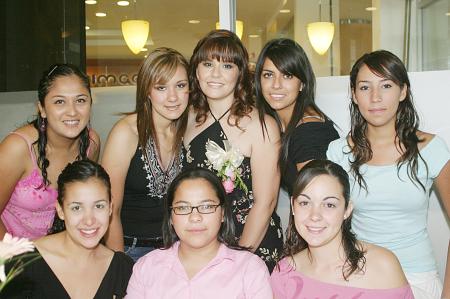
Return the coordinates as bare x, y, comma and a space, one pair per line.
31, 209
290, 284
231, 274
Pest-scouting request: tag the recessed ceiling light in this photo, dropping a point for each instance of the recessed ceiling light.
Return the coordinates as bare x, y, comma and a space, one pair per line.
193, 21
253, 35
285, 10
144, 50
123, 3
87, 27
90, 2
371, 8
100, 14
448, 14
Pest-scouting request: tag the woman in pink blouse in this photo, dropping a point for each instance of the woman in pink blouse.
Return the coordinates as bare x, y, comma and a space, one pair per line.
322, 257
201, 258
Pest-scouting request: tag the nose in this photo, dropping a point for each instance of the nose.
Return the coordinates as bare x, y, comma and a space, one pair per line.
195, 216
172, 96
71, 108
89, 218
315, 213
215, 70
276, 82
375, 95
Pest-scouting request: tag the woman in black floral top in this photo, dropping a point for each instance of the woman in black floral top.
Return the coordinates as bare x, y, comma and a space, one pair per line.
224, 134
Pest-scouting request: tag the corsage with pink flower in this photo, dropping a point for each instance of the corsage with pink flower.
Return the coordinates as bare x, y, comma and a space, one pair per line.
227, 163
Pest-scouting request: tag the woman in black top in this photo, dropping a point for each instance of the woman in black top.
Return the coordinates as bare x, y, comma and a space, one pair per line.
143, 153
73, 263
285, 87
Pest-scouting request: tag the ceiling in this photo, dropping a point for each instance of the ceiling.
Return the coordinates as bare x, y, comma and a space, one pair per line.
169, 23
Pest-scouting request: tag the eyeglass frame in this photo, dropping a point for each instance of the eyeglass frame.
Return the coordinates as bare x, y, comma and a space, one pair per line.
195, 207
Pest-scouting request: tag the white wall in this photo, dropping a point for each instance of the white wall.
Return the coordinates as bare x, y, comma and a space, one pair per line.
431, 95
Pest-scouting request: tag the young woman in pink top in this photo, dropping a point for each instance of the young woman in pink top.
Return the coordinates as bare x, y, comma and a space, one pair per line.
32, 157
201, 258
322, 257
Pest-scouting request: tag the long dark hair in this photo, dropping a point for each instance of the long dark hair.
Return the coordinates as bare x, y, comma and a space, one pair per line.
227, 229
386, 65
40, 124
290, 59
81, 171
158, 68
225, 46
354, 254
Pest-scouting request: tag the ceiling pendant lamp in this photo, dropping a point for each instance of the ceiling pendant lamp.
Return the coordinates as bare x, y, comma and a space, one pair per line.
239, 28
135, 32
320, 33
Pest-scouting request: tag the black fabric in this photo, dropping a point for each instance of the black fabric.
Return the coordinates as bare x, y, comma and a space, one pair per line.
309, 141
38, 281
271, 246
141, 214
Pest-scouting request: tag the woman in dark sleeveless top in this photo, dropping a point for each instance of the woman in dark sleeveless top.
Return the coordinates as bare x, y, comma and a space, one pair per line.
224, 134
285, 86
143, 153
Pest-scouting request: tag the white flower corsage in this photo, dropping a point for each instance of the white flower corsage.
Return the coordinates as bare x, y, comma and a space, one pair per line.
226, 163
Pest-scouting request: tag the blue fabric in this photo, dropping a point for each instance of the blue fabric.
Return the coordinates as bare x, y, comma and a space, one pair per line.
393, 211
136, 252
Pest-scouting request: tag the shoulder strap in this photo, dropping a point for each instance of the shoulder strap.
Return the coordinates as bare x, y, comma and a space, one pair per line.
30, 146
217, 119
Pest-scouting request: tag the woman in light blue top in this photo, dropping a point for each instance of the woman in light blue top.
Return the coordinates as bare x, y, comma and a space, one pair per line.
393, 166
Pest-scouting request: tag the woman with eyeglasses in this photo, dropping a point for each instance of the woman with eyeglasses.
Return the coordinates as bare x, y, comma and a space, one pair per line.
200, 258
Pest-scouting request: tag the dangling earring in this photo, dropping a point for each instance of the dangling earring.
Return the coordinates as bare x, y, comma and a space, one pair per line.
43, 125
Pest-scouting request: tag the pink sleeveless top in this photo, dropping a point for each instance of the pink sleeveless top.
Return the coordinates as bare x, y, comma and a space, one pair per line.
31, 209
287, 283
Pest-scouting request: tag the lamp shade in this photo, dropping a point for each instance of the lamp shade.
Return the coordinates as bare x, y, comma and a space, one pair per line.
239, 28
320, 35
135, 33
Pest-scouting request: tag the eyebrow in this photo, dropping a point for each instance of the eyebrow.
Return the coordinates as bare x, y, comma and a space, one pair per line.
367, 81
325, 198
80, 203
188, 203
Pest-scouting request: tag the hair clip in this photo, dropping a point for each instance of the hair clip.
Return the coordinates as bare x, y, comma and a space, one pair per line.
54, 68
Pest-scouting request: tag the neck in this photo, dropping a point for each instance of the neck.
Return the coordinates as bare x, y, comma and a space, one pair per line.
327, 256
163, 127
76, 251
61, 143
381, 134
218, 107
285, 116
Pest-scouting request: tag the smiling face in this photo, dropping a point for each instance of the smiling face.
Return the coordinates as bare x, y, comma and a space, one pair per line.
170, 99
195, 230
319, 211
377, 98
217, 79
279, 90
86, 208
67, 107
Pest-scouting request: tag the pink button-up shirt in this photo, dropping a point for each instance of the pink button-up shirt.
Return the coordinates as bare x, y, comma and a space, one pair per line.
231, 274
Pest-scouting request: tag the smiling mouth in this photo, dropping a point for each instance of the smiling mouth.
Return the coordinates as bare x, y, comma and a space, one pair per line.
89, 232
71, 122
315, 230
215, 84
277, 96
173, 108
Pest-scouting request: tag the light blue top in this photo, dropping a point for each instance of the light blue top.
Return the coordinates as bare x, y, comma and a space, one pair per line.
393, 211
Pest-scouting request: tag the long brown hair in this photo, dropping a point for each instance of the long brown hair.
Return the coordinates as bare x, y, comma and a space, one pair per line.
386, 65
225, 46
158, 68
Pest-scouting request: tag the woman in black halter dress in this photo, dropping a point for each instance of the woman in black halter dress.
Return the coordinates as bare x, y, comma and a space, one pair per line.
220, 85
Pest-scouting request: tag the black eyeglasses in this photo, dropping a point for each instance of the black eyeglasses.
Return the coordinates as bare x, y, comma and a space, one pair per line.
202, 209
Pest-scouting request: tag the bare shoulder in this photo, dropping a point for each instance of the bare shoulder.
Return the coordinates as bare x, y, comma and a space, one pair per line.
126, 127
255, 128
14, 145
383, 268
